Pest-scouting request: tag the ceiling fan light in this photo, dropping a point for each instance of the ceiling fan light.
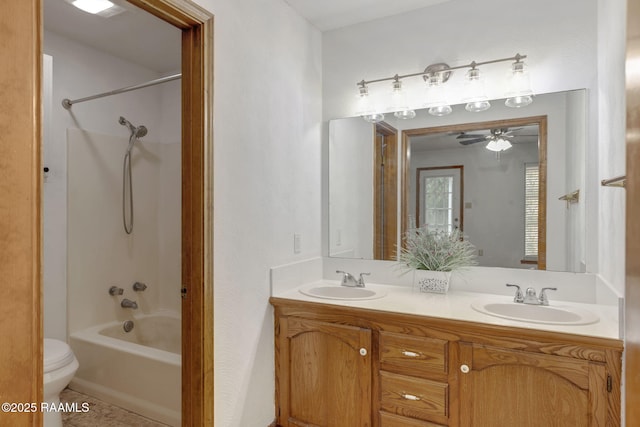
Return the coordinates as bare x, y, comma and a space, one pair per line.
498, 144
93, 6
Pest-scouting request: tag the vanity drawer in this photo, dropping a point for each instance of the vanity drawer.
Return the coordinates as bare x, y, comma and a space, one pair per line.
414, 355
390, 420
414, 397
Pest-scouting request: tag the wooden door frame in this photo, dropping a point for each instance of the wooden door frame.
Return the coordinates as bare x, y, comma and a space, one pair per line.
541, 121
21, 27
385, 238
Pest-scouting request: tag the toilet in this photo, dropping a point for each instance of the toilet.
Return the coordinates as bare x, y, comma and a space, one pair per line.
60, 365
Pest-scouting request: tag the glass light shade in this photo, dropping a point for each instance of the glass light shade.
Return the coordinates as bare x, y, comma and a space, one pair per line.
477, 106
93, 6
405, 114
475, 93
499, 144
441, 110
373, 117
399, 103
365, 107
436, 99
519, 93
518, 101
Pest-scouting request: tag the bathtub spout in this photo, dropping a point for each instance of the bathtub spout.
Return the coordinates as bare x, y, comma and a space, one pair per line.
127, 303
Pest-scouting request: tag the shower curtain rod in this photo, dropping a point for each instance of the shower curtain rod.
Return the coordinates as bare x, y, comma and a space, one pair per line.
67, 103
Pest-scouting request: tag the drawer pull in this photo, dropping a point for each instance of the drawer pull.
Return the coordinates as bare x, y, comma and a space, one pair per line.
363, 351
411, 353
465, 369
409, 396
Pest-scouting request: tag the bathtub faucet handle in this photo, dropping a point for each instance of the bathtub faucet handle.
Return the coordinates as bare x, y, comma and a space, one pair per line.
114, 290
139, 287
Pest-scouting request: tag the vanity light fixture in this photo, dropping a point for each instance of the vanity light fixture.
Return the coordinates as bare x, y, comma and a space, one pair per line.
476, 96
436, 76
399, 103
365, 109
520, 93
436, 96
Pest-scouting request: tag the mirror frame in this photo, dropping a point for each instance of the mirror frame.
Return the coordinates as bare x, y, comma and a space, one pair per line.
541, 121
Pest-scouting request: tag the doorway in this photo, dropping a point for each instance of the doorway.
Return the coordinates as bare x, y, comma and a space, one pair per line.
21, 206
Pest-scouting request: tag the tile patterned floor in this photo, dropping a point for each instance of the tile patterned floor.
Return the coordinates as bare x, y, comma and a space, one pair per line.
101, 413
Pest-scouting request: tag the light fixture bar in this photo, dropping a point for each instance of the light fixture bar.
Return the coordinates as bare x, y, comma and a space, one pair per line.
473, 64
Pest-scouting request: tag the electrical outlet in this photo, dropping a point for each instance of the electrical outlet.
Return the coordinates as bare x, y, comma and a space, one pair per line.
297, 243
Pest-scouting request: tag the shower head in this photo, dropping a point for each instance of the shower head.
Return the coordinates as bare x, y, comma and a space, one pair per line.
138, 132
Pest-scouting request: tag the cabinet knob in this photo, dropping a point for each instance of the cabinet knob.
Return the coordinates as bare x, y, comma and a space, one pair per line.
465, 369
409, 396
410, 353
363, 351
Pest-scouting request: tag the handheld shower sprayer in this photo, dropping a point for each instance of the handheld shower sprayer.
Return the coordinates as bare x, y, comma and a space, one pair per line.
127, 208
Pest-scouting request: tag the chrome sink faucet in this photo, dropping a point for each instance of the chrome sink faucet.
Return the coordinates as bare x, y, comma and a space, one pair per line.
349, 279
530, 295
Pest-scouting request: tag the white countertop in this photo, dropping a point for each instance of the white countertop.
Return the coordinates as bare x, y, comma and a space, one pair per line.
456, 305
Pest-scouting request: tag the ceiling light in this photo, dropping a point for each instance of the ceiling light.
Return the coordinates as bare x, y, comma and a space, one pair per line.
519, 93
93, 6
498, 144
476, 97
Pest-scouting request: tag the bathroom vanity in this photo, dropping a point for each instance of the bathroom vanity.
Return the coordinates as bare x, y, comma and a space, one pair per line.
427, 360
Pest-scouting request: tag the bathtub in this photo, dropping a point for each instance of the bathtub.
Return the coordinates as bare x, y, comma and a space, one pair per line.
139, 370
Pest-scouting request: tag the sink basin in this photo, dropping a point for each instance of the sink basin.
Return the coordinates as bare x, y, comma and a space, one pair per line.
536, 313
342, 293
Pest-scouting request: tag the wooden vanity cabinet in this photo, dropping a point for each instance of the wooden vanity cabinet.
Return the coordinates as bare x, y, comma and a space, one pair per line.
349, 367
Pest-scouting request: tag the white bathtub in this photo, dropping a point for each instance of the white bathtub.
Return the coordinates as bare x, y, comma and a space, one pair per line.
139, 370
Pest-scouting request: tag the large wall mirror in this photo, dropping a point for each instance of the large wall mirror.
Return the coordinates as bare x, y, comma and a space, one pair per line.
508, 203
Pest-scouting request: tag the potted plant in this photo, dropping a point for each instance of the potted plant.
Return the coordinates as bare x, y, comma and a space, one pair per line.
433, 254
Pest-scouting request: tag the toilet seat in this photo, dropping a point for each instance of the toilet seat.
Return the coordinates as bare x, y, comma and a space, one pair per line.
57, 354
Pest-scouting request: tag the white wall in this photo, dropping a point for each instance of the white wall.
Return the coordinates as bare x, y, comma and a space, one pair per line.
80, 71
267, 113
611, 140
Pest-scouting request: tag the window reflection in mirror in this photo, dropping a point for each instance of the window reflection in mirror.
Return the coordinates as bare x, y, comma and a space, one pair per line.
554, 239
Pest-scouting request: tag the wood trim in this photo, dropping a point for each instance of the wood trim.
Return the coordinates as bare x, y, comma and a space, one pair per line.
419, 189
632, 256
20, 208
541, 121
385, 202
197, 203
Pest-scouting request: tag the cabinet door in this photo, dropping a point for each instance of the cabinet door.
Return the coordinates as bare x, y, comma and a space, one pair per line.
500, 387
324, 374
